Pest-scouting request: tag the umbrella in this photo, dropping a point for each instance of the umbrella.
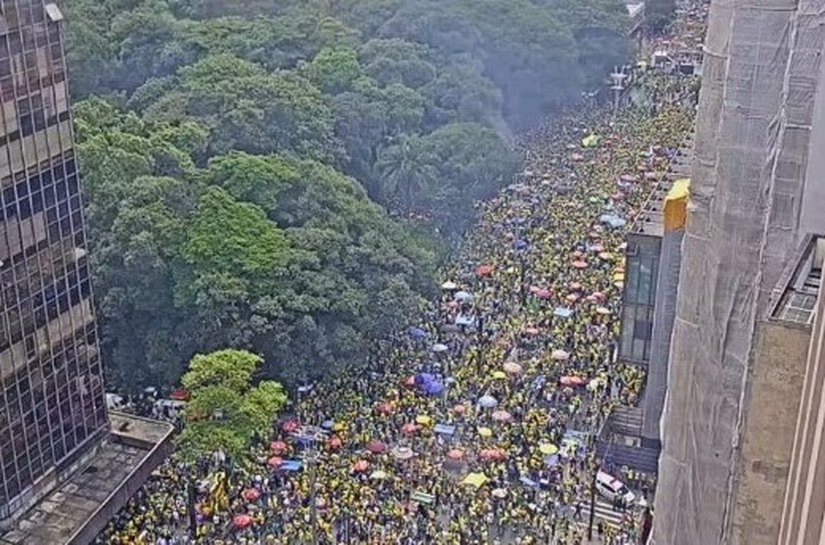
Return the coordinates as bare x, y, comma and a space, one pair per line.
417, 332
575, 286
463, 296
424, 378
384, 407
465, 320
590, 141
475, 479
577, 157
449, 286
277, 447
551, 460
597, 295
572, 297
377, 475
327, 424
438, 347
499, 375
513, 368
403, 453
484, 270
409, 381
275, 461
548, 449
423, 419
499, 493
459, 409
338, 426
455, 454
241, 520
409, 427
520, 244
603, 310
376, 446
579, 264
360, 466
487, 401
596, 248
572, 381
250, 494
543, 294
433, 388
290, 425
491, 454
485, 432
444, 429
179, 394
562, 312
334, 442
607, 256
502, 416
531, 331
560, 355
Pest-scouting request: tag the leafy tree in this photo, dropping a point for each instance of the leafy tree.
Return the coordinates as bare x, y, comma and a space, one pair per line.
226, 408
333, 70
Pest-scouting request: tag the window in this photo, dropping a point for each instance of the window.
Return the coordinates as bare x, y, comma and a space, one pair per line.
30, 114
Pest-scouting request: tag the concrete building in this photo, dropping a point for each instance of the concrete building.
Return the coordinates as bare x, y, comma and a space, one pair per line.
735, 372
53, 419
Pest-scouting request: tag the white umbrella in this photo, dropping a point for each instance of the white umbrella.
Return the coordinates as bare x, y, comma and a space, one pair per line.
448, 285
464, 296
560, 355
438, 347
487, 401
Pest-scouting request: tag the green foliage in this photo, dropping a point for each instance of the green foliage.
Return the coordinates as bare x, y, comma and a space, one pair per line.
243, 175
226, 409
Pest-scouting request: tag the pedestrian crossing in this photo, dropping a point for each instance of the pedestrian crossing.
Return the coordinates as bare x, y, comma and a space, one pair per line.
604, 511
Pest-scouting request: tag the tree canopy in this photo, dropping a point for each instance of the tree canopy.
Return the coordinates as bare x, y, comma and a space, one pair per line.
278, 175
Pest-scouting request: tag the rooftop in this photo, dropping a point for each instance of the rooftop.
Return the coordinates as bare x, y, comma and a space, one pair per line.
650, 220
795, 299
78, 507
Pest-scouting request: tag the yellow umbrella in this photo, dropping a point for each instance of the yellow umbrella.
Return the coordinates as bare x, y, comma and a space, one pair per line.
484, 431
499, 374
618, 277
377, 475
475, 479
548, 449
338, 426
423, 419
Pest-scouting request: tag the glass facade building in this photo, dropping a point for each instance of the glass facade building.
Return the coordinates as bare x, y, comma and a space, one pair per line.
52, 402
641, 276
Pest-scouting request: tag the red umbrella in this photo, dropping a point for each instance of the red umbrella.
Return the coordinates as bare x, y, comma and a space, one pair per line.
491, 454
385, 407
360, 465
376, 446
409, 427
334, 442
275, 461
455, 454
250, 494
242, 521
484, 270
277, 447
290, 425
179, 394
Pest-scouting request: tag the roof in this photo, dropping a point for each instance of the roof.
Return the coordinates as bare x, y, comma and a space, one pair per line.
650, 220
75, 508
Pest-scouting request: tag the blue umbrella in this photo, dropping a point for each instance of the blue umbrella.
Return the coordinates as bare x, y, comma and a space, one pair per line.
487, 401
463, 296
327, 424
433, 388
520, 244
551, 460
417, 332
424, 378
562, 312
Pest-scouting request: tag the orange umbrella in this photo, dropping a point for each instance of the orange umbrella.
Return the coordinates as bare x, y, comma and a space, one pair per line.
334, 442
242, 521
275, 461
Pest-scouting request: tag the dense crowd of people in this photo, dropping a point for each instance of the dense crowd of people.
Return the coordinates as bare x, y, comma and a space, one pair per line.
475, 425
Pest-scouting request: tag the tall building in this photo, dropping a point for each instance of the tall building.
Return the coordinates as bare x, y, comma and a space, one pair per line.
63, 471
736, 370
52, 404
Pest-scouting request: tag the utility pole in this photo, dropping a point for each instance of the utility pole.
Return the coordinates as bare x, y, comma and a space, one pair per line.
618, 78
313, 502
592, 505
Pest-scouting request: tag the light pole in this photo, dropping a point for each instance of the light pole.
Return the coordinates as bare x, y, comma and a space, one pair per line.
312, 434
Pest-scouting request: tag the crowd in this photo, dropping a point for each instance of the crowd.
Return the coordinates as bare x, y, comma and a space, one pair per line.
476, 424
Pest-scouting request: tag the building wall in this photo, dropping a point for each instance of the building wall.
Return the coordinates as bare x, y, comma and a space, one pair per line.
804, 502
52, 405
639, 297
768, 430
760, 74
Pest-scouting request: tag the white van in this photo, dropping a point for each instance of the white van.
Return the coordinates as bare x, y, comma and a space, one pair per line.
612, 488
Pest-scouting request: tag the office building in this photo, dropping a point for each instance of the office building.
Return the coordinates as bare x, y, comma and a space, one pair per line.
55, 440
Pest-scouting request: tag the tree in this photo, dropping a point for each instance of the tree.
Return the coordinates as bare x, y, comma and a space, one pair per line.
226, 407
